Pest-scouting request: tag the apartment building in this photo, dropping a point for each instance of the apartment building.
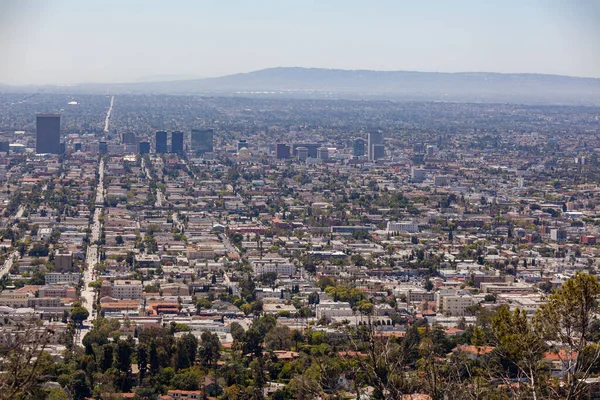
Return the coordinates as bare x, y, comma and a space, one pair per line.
125, 289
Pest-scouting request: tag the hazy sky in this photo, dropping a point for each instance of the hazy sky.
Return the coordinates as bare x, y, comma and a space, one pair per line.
71, 41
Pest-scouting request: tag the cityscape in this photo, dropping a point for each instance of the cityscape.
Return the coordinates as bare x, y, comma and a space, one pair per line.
296, 200
240, 253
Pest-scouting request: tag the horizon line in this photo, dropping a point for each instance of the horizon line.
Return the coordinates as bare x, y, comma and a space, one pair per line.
137, 81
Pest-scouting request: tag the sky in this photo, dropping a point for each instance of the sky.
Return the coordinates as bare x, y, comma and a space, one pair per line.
75, 41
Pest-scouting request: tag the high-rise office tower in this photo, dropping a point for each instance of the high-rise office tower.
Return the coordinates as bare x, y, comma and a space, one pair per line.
202, 141
161, 142
375, 138
177, 142
311, 147
358, 147
144, 147
47, 138
128, 138
323, 153
103, 148
378, 151
302, 153
282, 151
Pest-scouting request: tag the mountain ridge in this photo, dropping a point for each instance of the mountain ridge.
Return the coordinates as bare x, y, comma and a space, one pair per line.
395, 85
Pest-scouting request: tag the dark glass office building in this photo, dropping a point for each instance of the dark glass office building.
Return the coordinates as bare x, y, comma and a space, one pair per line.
177, 142
47, 138
161, 142
282, 151
128, 138
103, 148
202, 141
374, 139
311, 147
358, 148
144, 147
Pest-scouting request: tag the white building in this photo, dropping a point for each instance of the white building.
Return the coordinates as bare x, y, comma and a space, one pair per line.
331, 309
454, 304
123, 289
403, 226
279, 266
69, 278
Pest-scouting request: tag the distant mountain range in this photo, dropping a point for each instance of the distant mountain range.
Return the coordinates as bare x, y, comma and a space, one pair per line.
365, 84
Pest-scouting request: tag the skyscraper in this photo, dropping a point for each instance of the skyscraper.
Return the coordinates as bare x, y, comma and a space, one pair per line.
323, 153
374, 138
128, 138
47, 138
202, 141
144, 147
302, 153
161, 142
103, 148
177, 142
358, 148
282, 151
378, 151
311, 147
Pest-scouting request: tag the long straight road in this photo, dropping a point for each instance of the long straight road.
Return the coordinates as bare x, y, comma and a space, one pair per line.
8, 263
107, 119
91, 259
160, 197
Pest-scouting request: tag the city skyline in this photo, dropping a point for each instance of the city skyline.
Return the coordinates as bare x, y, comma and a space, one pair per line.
155, 41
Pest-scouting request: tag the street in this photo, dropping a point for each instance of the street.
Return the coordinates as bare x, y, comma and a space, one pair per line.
91, 259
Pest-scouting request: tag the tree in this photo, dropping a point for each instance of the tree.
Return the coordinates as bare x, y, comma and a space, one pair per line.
279, 338
124, 352
188, 379
185, 355
236, 330
119, 240
203, 303
520, 349
39, 250
153, 356
364, 307
22, 359
79, 314
297, 337
79, 385
142, 361
210, 349
57, 394
252, 342
566, 317
385, 362
326, 282
428, 285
